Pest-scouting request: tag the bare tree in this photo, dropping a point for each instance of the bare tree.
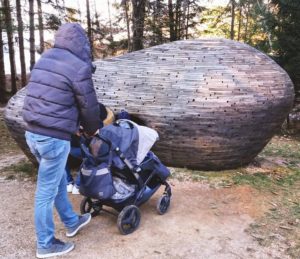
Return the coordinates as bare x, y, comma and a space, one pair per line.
41, 26
21, 43
138, 18
31, 33
9, 31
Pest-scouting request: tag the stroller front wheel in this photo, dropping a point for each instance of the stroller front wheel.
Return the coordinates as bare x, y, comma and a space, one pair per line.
87, 205
129, 219
163, 204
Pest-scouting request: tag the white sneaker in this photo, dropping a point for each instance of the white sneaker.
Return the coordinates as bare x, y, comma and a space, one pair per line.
75, 190
70, 187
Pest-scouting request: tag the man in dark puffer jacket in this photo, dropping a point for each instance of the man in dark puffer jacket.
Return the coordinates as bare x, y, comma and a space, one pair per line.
60, 94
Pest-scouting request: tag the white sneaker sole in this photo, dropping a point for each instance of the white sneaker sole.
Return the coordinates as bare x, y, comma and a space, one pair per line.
81, 226
55, 254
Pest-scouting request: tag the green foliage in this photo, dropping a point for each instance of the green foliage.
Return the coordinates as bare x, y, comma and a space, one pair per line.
285, 23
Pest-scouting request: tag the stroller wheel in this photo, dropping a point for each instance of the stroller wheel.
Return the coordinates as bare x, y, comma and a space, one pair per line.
87, 205
129, 219
163, 204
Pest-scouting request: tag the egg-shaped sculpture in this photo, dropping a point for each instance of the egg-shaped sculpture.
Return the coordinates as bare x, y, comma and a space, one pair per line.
215, 102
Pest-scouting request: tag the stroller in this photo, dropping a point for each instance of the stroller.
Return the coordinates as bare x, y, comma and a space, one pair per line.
120, 171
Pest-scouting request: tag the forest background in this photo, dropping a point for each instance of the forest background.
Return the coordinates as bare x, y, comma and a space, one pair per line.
115, 27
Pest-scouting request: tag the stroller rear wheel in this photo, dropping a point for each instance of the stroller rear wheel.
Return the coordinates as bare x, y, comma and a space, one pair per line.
87, 205
163, 204
129, 219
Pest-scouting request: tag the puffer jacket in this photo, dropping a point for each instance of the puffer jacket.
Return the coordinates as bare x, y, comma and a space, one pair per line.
60, 93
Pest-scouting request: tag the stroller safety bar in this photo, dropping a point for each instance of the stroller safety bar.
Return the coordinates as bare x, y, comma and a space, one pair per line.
135, 170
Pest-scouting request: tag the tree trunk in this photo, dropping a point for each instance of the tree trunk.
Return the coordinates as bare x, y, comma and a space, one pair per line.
109, 19
232, 19
159, 22
9, 30
138, 18
21, 43
187, 21
240, 23
177, 20
247, 22
88, 16
183, 20
171, 21
125, 6
31, 32
41, 25
2, 67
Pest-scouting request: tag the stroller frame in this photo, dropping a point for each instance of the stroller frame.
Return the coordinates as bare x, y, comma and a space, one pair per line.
128, 209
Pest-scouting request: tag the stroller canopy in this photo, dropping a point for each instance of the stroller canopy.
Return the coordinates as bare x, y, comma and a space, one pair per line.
133, 140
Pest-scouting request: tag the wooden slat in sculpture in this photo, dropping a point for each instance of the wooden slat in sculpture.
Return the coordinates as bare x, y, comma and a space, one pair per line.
215, 102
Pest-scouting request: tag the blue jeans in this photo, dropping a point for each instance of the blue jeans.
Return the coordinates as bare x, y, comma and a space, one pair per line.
52, 155
75, 152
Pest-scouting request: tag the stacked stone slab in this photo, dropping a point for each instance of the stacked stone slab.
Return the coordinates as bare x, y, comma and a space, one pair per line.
215, 103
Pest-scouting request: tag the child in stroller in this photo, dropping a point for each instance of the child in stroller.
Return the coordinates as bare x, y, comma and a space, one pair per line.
120, 171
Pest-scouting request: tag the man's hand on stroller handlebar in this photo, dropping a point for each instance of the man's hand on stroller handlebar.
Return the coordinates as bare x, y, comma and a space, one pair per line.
81, 132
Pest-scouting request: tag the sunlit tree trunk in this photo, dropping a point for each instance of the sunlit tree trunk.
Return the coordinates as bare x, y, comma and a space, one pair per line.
240, 23
232, 19
9, 30
41, 26
247, 23
2, 67
21, 43
31, 32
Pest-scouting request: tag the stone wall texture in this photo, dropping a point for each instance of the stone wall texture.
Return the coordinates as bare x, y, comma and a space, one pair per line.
214, 102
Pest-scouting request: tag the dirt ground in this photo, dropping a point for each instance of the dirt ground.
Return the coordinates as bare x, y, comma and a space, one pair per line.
201, 223
210, 216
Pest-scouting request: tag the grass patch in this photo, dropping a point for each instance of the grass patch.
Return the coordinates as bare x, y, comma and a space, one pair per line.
257, 180
5, 139
21, 171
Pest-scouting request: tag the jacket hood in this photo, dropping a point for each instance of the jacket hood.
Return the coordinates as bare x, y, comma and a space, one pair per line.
72, 37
